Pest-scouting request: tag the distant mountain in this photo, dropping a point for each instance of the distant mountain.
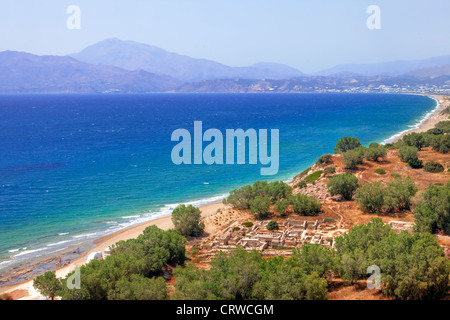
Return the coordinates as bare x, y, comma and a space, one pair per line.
130, 55
26, 73
432, 73
394, 68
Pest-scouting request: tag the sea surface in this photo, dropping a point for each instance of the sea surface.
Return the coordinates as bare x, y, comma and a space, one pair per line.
76, 167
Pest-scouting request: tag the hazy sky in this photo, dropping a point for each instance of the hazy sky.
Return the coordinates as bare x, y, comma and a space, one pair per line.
307, 34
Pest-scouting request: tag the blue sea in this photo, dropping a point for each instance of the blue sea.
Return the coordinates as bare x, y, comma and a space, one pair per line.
76, 167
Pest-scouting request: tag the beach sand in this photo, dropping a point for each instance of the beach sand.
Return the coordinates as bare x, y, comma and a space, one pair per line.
435, 118
26, 291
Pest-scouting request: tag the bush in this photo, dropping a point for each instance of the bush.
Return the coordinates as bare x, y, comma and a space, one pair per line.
248, 224
432, 214
408, 153
302, 184
415, 163
260, 207
281, 206
346, 144
313, 177
47, 284
441, 143
370, 197
187, 220
399, 194
240, 198
272, 225
325, 159
305, 205
352, 158
375, 151
415, 140
433, 167
380, 171
444, 126
330, 170
396, 175
435, 131
277, 190
343, 184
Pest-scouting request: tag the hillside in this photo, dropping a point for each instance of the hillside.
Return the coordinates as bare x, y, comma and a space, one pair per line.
130, 55
26, 73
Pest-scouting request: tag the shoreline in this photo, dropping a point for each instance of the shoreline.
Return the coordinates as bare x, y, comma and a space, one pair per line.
101, 243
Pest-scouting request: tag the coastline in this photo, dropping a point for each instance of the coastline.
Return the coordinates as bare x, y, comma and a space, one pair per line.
428, 122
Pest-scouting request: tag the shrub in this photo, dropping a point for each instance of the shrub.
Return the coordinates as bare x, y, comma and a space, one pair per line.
415, 139
303, 173
343, 184
399, 194
396, 175
47, 284
380, 171
260, 207
345, 144
187, 220
240, 198
305, 205
408, 153
277, 190
352, 158
433, 167
248, 224
435, 131
272, 225
444, 126
432, 214
415, 163
370, 197
375, 151
281, 206
302, 184
324, 159
313, 177
330, 170
441, 143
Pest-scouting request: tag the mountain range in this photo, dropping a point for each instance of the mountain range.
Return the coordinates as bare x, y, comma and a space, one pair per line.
114, 65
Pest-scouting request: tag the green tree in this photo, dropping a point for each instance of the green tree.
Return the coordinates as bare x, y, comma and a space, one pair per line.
139, 288
433, 213
305, 205
260, 207
343, 184
324, 159
375, 151
370, 197
47, 284
272, 225
433, 167
187, 220
240, 198
399, 194
345, 144
281, 206
415, 139
353, 158
407, 153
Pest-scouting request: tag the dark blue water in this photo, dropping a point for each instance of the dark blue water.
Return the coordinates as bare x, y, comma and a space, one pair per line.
73, 167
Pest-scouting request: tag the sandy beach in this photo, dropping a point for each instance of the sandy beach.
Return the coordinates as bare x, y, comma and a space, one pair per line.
435, 118
27, 292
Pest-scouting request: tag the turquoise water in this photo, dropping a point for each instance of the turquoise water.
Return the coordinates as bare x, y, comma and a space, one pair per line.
75, 167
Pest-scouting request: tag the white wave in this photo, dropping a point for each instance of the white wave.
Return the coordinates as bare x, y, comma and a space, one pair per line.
87, 235
29, 252
13, 250
416, 125
57, 243
63, 234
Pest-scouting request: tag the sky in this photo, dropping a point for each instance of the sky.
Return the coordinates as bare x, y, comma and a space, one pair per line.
310, 35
